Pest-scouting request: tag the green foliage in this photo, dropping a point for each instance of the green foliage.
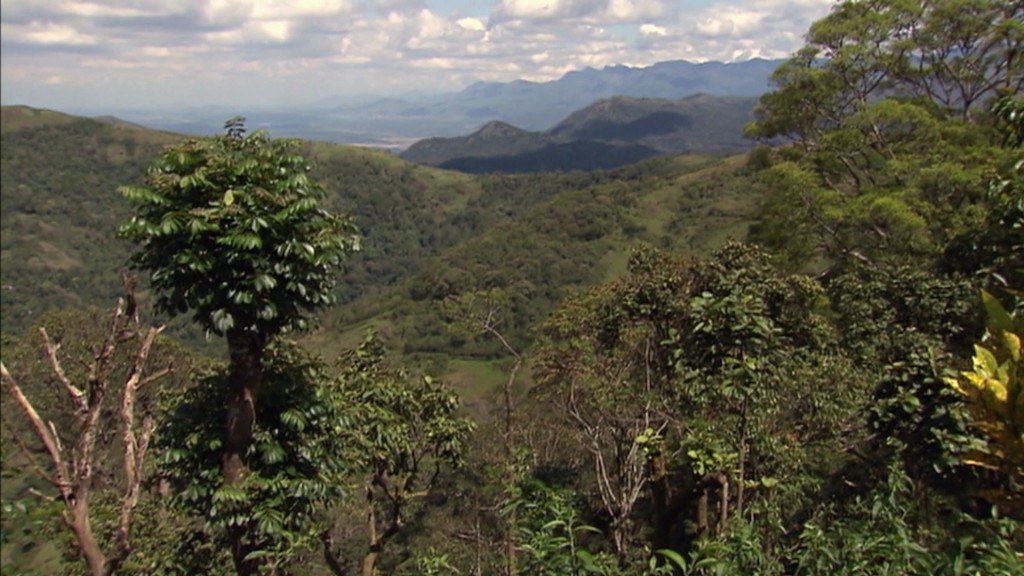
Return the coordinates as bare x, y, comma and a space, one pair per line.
401, 423
403, 426
888, 532
883, 101
549, 529
727, 363
296, 463
995, 246
232, 229
552, 536
884, 315
913, 409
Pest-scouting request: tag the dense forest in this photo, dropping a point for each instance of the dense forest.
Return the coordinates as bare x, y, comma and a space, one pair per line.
805, 360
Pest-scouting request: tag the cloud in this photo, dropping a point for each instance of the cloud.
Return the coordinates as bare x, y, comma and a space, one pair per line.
652, 30
587, 11
473, 24
279, 51
50, 34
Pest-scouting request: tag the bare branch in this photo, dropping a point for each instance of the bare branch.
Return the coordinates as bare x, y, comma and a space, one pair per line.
40, 495
77, 396
135, 447
74, 478
44, 433
100, 366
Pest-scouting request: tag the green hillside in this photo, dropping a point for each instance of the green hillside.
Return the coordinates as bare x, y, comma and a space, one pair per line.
573, 240
428, 234
61, 207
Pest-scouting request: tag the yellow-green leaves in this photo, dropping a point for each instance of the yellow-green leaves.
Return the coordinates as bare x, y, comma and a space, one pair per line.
994, 389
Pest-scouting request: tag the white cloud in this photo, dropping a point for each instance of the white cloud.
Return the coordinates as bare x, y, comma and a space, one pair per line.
652, 30
49, 34
589, 11
297, 47
281, 9
474, 24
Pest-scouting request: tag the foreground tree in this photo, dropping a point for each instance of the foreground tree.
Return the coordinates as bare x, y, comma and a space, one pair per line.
74, 473
297, 465
695, 389
404, 431
231, 228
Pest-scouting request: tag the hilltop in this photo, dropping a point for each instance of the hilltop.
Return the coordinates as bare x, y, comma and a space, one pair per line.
606, 134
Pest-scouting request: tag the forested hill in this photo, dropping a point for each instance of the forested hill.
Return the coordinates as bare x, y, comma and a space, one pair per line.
61, 207
606, 134
551, 246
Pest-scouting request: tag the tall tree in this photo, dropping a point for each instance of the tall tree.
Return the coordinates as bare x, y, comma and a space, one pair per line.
893, 148
231, 228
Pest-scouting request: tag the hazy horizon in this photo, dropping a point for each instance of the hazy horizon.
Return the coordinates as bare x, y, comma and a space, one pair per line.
102, 56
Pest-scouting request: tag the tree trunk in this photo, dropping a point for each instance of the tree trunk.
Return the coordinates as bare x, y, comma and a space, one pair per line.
742, 472
723, 513
78, 520
370, 562
702, 514
246, 376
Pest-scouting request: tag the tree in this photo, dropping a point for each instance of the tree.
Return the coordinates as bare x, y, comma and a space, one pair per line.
230, 228
482, 312
74, 472
402, 434
673, 378
297, 464
893, 147
954, 54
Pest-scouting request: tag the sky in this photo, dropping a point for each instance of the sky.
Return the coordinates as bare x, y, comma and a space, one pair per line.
152, 54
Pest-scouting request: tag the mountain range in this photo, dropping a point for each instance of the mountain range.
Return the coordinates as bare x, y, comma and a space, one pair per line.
534, 106
539, 105
609, 133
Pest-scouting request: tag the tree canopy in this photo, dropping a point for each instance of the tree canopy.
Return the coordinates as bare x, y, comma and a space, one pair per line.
231, 228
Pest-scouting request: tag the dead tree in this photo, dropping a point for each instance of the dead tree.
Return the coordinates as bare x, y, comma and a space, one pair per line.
71, 471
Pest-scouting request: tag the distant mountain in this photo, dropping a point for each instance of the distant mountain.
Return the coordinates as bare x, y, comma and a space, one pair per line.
494, 139
398, 121
538, 105
607, 134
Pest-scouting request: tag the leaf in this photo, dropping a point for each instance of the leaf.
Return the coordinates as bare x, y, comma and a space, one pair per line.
673, 557
999, 320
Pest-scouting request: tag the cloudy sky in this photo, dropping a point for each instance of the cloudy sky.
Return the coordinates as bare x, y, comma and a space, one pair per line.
118, 54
